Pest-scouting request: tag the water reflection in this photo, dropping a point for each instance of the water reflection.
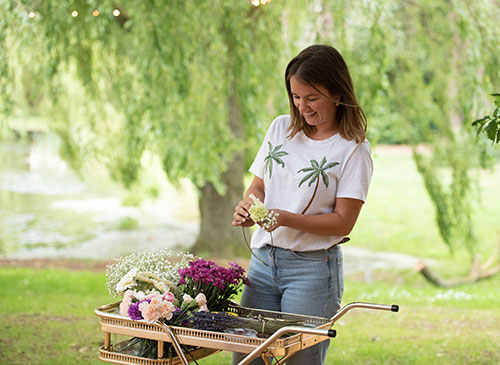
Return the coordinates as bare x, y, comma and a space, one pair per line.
32, 176
47, 211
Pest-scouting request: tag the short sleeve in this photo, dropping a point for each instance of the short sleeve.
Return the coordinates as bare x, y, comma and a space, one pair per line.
272, 135
355, 178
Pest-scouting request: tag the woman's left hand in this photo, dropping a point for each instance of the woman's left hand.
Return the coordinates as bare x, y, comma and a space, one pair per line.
279, 218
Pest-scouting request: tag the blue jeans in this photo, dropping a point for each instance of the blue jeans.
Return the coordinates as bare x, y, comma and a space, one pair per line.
309, 283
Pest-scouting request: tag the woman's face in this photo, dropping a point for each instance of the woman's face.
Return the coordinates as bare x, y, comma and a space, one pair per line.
317, 107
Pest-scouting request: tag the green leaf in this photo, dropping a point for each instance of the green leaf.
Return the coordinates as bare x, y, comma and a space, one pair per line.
479, 121
280, 161
492, 130
305, 169
307, 178
270, 146
330, 165
314, 177
325, 178
276, 149
497, 99
323, 161
314, 164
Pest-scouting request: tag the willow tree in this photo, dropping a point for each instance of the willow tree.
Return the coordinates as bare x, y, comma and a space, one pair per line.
191, 82
425, 70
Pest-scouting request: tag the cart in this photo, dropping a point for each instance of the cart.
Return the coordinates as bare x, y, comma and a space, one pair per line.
282, 344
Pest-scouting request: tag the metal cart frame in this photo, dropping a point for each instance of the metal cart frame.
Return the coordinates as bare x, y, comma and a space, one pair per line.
315, 330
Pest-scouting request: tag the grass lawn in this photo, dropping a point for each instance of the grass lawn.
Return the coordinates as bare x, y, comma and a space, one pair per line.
47, 314
47, 318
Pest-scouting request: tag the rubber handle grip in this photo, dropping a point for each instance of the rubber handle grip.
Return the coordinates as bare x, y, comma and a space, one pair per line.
332, 333
395, 308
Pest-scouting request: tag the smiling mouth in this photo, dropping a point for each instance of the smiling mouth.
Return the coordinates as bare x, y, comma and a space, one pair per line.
309, 114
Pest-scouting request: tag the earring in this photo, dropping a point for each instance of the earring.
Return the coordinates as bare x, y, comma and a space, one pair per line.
336, 104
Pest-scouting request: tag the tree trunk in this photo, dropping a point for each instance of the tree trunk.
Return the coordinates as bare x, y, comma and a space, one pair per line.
217, 236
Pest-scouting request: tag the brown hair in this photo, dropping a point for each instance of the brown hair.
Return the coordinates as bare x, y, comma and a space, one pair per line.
321, 65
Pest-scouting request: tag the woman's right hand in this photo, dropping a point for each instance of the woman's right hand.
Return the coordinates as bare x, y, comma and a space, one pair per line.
241, 216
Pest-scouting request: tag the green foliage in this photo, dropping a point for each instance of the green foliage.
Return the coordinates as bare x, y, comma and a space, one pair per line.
490, 124
446, 175
156, 78
421, 68
127, 223
415, 63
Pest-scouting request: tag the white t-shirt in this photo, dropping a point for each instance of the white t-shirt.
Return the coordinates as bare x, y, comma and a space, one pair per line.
291, 168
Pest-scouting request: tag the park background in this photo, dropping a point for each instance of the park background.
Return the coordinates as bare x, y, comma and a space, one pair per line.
130, 125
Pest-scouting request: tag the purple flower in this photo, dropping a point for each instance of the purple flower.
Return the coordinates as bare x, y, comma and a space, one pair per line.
134, 312
218, 284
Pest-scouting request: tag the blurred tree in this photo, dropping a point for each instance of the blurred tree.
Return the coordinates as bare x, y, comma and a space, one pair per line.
193, 82
197, 82
421, 69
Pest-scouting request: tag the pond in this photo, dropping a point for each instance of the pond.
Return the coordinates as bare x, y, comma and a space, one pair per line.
48, 211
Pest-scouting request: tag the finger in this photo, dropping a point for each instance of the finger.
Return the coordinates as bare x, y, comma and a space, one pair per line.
245, 205
242, 212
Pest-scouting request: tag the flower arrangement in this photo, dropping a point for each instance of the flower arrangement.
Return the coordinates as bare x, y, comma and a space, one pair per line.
189, 292
261, 215
154, 288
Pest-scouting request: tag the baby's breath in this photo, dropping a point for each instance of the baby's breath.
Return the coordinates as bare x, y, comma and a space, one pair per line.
163, 263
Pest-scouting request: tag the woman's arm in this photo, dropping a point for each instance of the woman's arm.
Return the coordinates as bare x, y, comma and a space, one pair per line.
241, 215
338, 223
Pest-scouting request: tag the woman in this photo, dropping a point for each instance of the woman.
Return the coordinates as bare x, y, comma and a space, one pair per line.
313, 169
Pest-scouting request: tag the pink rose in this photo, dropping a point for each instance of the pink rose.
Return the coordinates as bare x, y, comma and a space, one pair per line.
143, 306
201, 299
186, 298
126, 302
155, 302
166, 310
169, 297
150, 314
124, 308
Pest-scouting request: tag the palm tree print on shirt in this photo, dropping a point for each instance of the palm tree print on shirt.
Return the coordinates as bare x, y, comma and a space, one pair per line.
273, 155
313, 174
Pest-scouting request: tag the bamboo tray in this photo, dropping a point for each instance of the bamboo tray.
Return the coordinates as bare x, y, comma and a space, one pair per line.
121, 358
112, 322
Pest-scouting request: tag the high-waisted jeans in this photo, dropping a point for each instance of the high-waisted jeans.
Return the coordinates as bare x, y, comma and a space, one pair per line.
309, 283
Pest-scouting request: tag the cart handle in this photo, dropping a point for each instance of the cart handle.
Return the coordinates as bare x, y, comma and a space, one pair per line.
295, 329
348, 307
319, 332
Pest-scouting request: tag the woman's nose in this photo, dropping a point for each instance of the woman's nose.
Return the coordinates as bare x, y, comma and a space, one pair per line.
302, 106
